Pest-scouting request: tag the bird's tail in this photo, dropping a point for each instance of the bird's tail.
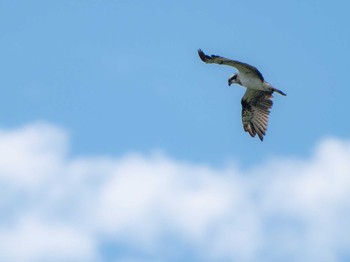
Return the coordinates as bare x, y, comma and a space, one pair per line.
278, 91
270, 87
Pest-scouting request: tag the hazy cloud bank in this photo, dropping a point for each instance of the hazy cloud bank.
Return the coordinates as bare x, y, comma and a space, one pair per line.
61, 208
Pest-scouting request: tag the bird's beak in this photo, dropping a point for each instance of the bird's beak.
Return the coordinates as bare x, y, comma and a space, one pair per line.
229, 82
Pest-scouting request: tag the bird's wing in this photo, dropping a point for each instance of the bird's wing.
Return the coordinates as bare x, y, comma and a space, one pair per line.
241, 67
256, 106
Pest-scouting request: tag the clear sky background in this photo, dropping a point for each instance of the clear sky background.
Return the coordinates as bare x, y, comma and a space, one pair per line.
119, 144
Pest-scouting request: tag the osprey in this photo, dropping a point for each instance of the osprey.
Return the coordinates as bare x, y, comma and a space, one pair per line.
257, 100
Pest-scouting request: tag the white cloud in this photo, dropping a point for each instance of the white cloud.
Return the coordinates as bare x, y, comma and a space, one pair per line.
29, 154
55, 207
31, 239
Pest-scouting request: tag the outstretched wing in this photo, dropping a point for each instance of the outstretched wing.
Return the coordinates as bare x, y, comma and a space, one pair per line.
241, 67
256, 106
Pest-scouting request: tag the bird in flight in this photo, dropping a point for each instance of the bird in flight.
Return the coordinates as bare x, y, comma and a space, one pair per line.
257, 100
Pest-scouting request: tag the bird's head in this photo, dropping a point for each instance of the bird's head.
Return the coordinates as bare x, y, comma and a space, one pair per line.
234, 80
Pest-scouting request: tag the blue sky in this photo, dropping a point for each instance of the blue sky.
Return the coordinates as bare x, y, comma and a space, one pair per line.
113, 79
125, 76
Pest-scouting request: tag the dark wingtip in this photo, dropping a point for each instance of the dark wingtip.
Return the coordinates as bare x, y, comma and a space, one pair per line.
259, 132
202, 56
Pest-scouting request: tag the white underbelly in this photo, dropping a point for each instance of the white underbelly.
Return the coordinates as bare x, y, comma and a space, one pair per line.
252, 83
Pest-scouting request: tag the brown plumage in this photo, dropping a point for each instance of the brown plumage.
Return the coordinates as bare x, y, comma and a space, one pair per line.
255, 112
